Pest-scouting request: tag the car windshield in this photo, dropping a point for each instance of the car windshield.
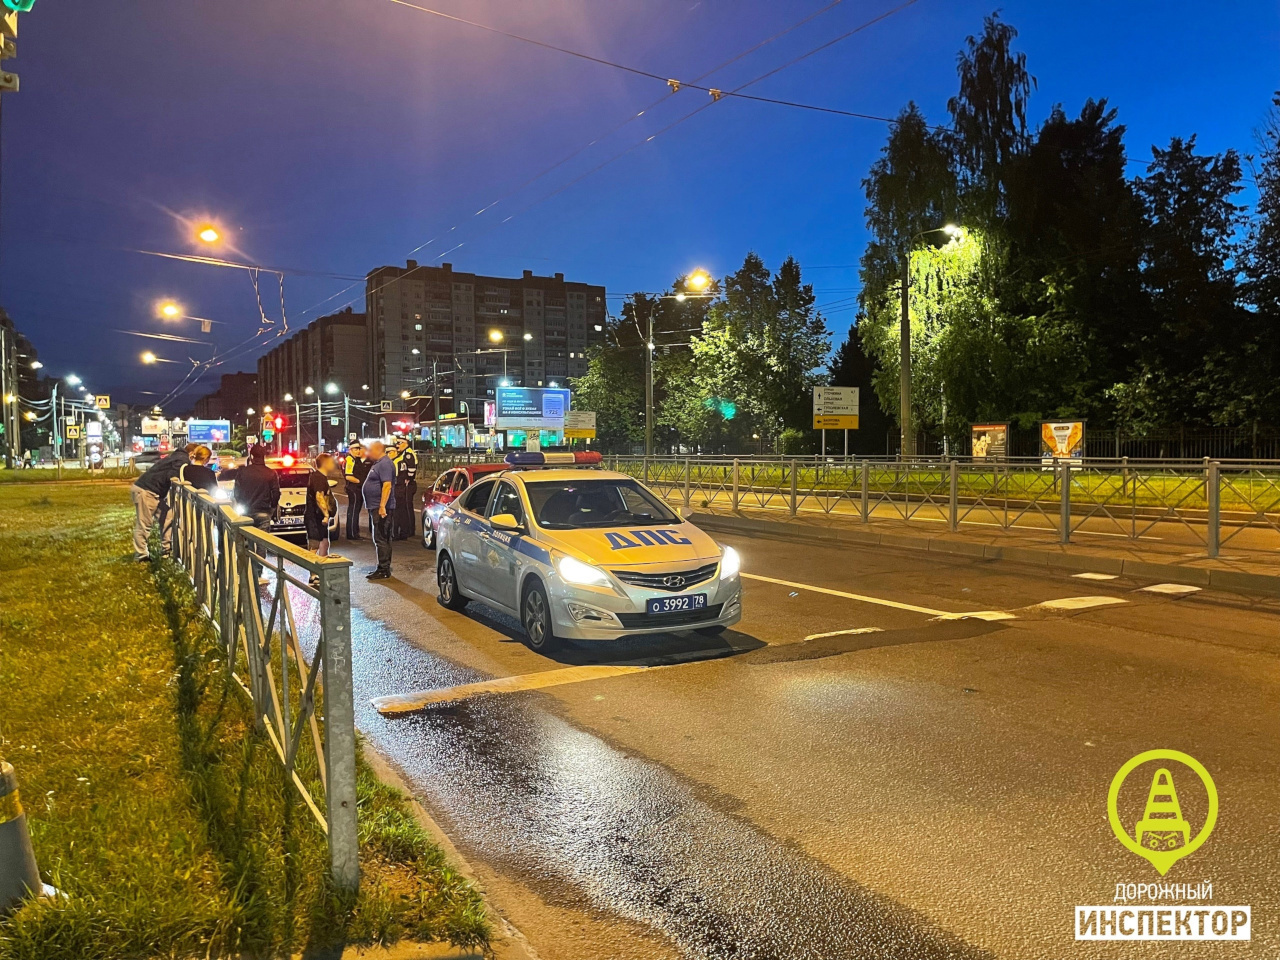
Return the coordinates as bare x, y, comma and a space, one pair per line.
293, 479
575, 504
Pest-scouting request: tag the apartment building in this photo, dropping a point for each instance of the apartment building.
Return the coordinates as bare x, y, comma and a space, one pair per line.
332, 349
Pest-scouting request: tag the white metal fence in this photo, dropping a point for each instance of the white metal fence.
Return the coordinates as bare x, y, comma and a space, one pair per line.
245, 581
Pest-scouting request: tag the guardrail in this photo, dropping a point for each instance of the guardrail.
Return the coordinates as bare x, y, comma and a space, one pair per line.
225, 557
1212, 502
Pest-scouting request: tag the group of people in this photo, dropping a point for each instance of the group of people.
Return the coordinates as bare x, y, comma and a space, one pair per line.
384, 481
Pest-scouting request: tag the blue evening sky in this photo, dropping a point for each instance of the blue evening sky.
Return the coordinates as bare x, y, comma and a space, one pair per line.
332, 136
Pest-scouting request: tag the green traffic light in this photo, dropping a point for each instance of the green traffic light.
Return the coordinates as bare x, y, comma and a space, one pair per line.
22, 6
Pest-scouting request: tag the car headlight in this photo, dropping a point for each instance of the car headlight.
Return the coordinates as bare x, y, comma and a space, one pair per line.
220, 494
575, 571
240, 510
730, 563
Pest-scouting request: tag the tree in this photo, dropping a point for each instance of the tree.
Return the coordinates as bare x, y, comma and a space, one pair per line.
850, 366
1261, 289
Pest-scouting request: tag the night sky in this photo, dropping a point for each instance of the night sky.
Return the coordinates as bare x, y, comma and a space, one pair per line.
328, 138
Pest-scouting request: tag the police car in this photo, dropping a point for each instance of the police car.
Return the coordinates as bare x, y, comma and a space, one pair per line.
583, 555
287, 522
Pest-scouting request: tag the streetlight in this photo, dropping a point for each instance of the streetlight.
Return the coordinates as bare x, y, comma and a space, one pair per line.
73, 379
148, 357
697, 280
248, 422
36, 365
170, 310
346, 409
528, 337
908, 442
209, 234
495, 336
297, 420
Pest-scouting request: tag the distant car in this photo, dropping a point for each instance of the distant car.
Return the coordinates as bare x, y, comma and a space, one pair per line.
584, 555
447, 488
147, 457
287, 522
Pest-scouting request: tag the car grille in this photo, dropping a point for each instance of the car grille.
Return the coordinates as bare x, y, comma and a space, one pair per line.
681, 618
293, 511
658, 581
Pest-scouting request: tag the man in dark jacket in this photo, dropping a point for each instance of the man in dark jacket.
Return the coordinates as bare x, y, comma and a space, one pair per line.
257, 488
354, 468
149, 491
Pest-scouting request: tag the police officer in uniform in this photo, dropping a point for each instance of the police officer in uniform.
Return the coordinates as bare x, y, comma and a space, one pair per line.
354, 468
406, 463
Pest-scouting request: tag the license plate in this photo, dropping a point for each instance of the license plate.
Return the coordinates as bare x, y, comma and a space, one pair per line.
291, 521
693, 601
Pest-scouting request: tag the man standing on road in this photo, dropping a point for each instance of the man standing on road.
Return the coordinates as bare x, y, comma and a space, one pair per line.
380, 501
149, 492
406, 490
257, 488
354, 468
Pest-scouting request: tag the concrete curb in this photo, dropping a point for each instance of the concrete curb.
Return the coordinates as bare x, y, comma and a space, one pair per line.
1233, 580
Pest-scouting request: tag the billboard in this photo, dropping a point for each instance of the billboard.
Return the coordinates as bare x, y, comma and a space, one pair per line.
531, 408
1062, 439
835, 408
990, 441
206, 431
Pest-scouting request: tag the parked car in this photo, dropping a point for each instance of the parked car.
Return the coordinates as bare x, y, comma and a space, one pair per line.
448, 486
287, 522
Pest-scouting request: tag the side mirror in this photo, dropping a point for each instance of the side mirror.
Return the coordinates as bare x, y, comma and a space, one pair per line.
505, 521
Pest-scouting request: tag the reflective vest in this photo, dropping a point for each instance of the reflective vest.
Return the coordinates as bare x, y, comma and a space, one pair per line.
406, 462
349, 468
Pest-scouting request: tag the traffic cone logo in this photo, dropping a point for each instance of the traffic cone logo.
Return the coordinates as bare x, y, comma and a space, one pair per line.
1163, 836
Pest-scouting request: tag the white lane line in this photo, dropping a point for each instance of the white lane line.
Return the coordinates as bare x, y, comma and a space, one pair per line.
880, 601
1173, 589
843, 633
1095, 576
408, 702
1078, 603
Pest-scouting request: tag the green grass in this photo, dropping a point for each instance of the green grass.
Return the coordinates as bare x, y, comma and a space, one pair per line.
53, 475
153, 805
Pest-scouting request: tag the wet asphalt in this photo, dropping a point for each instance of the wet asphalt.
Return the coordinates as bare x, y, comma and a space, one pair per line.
934, 788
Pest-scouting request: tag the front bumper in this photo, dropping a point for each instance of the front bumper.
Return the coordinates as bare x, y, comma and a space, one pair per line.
604, 614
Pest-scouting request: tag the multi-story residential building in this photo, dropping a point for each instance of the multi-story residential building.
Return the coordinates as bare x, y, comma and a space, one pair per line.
421, 315
333, 349
236, 393
18, 381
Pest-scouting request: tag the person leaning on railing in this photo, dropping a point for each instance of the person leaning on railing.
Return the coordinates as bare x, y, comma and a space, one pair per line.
149, 492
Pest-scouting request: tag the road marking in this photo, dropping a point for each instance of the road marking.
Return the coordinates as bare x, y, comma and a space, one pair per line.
409, 702
843, 633
1174, 589
1095, 576
1078, 603
895, 604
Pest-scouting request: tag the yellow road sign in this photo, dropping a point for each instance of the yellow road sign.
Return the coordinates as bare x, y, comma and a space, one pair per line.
836, 423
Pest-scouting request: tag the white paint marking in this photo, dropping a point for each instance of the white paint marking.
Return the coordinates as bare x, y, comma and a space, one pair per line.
1173, 589
842, 633
406, 703
1095, 576
1079, 603
880, 601
988, 615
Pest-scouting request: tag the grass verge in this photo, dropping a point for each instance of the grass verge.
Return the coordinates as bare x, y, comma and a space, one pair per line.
153, 805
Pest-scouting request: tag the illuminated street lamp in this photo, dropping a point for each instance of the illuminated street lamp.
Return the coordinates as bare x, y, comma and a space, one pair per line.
36, 365
209, 234
149, 357
170, 310
528, 336
73, 379
495, 336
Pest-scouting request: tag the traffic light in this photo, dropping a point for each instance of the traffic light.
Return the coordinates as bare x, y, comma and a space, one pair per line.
279, 422
20, 6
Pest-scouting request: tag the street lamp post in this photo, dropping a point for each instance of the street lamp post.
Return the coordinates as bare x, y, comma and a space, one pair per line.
297, 421
319, 418
907, 444
334, 388
699, 280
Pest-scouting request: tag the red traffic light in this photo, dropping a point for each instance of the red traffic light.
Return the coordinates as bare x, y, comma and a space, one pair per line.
279, 422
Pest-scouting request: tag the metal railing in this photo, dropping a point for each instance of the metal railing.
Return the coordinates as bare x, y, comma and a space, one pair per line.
226, 558
1206, 502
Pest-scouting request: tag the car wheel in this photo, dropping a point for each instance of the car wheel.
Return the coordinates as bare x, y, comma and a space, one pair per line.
712, 631
428, 533
535, 616
451, 597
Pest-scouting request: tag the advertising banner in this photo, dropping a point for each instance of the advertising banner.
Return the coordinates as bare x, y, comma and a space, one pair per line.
579, 425
205, 431
1062, 439
835, 408
990, 441
531, 408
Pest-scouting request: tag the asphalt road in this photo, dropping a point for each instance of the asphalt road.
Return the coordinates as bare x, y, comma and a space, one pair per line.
926, 787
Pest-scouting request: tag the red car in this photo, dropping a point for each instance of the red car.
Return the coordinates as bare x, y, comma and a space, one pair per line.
448, 486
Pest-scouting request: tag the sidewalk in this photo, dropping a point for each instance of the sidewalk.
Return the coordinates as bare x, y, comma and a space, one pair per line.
1254, 571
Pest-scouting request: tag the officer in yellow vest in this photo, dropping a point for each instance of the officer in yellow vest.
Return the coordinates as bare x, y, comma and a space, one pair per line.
406, 464
354, 468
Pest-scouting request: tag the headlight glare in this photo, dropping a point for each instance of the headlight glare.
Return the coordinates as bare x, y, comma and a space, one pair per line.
730, 563
575, 571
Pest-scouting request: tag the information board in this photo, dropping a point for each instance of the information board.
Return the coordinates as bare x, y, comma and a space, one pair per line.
835, 408
205, 431
531, 408
579, 425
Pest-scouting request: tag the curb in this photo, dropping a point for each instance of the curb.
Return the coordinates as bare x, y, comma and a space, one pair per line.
1233, 580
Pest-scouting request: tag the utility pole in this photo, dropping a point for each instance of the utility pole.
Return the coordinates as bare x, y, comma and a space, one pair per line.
346, 417
908, 446
648, 386
319, 422
435, 405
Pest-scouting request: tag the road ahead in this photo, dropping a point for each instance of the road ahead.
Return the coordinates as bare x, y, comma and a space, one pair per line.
849, 773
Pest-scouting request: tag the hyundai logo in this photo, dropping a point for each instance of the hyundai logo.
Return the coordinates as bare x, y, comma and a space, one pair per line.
674, 581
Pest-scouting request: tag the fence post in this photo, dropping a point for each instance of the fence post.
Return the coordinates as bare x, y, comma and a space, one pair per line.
793, 488
646, 470
339, 724
1213, 493
687, 468
1064, 518
953, 520
1124, 475
866, 491
735, 484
